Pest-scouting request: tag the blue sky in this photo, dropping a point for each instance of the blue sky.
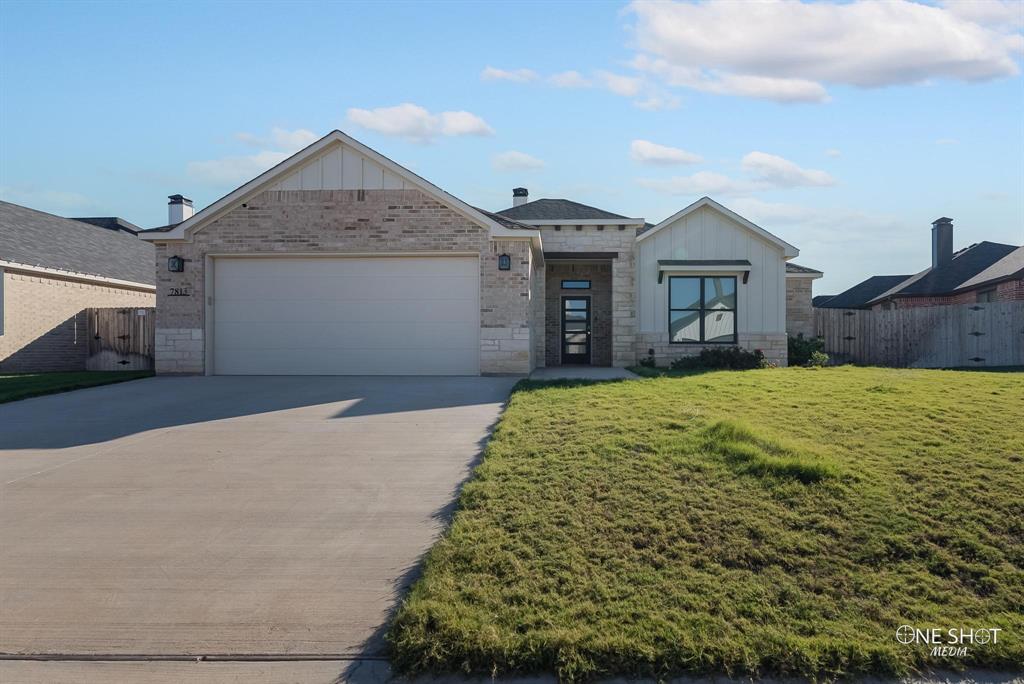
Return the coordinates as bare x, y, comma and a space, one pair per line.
844, 129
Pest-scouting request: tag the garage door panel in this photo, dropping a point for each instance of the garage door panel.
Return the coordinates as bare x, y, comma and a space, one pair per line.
306, 316
306, 287
341, 336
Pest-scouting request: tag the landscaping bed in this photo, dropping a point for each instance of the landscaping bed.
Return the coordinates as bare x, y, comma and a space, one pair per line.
768, 521
25, 385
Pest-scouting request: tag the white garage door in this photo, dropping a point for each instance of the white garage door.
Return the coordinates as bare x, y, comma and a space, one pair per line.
346, 316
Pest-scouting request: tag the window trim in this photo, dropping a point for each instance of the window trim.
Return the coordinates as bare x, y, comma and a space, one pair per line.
575, 280
703, 311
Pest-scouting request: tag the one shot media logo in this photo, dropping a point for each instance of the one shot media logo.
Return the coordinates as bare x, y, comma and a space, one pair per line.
948, 642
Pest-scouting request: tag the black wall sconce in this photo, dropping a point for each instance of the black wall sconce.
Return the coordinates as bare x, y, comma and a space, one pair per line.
175, 264
504, 263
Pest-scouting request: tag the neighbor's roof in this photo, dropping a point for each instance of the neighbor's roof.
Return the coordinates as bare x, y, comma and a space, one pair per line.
558, 210
35, 238
110, 223
797, 268
819, 300
965, 265
1010, 266
858, 296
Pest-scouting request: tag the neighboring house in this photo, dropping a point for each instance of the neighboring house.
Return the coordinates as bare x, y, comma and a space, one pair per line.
53, 269
982, 272
340, 261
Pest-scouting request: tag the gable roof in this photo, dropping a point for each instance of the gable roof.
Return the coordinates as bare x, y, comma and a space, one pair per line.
309, 153
1010, 266
798, 270
560, 210
965, 264
858, 296
819, 300
110, 223
36, 239
788, 250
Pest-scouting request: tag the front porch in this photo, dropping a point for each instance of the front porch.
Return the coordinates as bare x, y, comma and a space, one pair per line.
578, 312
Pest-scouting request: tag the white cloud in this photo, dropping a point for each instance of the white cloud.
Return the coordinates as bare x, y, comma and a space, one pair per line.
275, 147
1003, 14
626, 86
53, 201
234, 170
415, 123
515, 75
516, 161
724, 47
281, 139
833, 152
700, 183
569, 79
657, 101
782, 173
646, 152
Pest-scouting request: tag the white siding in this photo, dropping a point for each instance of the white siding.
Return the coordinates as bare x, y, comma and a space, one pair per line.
340, 169
709, 234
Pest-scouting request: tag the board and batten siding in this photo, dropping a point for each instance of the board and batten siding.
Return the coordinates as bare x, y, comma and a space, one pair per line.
708, 234
341, 168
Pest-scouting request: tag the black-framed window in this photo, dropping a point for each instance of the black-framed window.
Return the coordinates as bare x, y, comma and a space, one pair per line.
987, 295
702, 309
575, 284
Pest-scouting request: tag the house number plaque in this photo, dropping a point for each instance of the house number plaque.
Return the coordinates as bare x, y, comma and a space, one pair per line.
179, 292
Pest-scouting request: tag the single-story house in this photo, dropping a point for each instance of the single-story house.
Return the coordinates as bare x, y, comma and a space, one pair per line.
51, 270
340, 261
982, 272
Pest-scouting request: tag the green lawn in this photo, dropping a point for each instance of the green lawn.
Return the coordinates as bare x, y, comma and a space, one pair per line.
769, 521
24, 385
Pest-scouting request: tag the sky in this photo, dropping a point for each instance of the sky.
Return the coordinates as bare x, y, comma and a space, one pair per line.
843, 128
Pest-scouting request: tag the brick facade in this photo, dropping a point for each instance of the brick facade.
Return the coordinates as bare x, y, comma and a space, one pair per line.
44, 319
347, 221
799, 310
623, 277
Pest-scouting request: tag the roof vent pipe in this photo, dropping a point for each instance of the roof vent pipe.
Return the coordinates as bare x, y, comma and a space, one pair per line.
942, 241
520, 196
179, 209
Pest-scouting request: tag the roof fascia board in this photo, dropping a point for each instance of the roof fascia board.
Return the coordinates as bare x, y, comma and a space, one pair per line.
788, 250
249, 189
74, 275
583, 222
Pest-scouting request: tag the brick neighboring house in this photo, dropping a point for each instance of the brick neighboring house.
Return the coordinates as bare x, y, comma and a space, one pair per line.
982, 272
51, 270
340, 261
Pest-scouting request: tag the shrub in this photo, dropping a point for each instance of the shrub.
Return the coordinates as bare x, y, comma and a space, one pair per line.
818, 358
802, 348
648, 361
731, 358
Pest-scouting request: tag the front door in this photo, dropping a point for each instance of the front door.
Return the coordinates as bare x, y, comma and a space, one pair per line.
575, 329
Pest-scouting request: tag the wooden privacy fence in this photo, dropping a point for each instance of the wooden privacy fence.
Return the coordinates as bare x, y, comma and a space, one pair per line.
120, 339
955, 336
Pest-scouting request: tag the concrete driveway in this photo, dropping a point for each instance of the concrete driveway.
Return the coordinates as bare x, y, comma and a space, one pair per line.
275, 516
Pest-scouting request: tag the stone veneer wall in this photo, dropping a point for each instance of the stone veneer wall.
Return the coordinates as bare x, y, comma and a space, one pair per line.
774, 346
44, 319
340, 221
799, 310
538, 304
607, 239
600, 293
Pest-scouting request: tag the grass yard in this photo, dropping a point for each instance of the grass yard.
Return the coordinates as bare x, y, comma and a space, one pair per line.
771, 521
25, 385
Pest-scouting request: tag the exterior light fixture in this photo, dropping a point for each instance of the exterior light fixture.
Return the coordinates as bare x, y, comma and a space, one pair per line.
175, 264
504, 263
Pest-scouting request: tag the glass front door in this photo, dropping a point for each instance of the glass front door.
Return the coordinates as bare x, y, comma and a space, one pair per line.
575, 329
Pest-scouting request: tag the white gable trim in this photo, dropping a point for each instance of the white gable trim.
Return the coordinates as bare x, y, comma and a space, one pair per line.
788, 250
258, 184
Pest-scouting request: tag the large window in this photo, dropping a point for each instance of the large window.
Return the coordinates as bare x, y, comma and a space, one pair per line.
702, 309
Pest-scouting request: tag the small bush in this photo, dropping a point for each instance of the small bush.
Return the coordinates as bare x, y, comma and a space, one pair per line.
802, 348
730, 358
818, 358
648, 361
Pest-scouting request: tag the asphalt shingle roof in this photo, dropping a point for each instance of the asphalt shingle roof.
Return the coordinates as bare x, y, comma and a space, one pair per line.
965, 264
819, 300
109, 222
797, 268
35, 238
858, 296
557, 210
